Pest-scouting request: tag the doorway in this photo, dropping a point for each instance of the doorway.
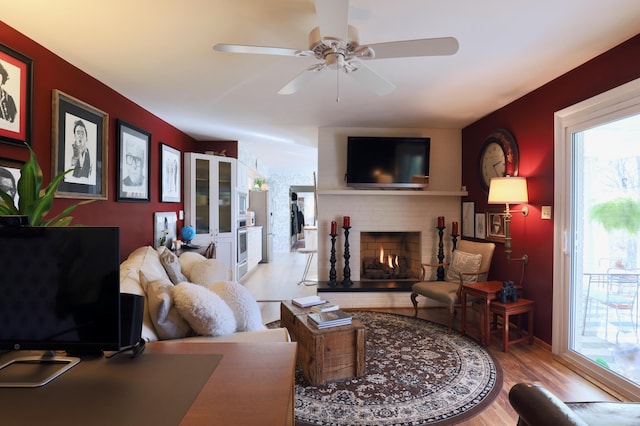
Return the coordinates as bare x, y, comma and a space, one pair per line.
303, 213
596, 278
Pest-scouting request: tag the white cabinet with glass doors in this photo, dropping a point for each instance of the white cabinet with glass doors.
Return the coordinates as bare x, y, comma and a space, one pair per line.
210, 194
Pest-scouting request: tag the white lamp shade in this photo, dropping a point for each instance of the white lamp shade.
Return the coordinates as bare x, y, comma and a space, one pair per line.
508, 190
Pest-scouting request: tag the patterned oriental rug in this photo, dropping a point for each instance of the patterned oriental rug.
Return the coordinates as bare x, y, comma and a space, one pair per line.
416, 374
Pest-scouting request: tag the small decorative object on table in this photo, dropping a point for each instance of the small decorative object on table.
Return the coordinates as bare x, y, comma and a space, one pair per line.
508, 292
187, 235
332, 259
346, 225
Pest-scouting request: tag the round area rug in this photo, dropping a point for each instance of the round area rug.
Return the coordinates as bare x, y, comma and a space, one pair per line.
416, 374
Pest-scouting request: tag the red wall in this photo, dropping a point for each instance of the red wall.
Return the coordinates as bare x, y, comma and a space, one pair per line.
50, 72
531, 121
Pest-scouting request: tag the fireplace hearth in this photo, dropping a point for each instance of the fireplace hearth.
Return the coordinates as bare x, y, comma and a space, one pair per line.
390, 256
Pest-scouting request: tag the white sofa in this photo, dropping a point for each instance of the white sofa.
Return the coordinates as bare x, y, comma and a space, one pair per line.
144, 266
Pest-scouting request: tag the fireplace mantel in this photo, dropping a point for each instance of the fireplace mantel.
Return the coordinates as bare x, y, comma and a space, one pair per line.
392, 192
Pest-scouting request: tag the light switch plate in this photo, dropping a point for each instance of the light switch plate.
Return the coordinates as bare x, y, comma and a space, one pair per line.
181, 215
546, 212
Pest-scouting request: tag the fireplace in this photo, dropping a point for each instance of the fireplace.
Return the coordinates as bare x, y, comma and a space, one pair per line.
390, 256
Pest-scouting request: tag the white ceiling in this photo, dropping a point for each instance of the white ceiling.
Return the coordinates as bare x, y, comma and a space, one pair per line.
158, 53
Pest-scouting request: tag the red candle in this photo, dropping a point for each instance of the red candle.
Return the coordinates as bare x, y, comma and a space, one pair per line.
346, 221
454, 228
334, 227
440, 221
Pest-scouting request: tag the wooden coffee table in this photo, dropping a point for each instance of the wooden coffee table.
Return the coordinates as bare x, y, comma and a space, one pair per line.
324, 355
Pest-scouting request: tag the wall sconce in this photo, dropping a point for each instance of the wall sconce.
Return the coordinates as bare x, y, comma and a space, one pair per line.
509, 190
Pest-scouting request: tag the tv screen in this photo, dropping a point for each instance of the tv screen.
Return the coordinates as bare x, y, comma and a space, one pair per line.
60, 289
388, 162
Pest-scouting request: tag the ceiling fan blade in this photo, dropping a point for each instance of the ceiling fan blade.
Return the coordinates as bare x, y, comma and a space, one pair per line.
301, 79
261, 50
333, 18
411, 48
371, 79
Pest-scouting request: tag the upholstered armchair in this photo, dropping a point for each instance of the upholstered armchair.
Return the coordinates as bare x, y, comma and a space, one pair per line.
470, 262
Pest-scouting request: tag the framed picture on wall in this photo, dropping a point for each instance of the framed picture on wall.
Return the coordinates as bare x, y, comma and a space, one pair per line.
495, 226
80, 135
468, 219
164, 229
9, 177
170, 174
16, 82
134, 152
480, 226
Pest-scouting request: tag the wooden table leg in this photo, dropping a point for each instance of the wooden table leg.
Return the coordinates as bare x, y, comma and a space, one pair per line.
486, 323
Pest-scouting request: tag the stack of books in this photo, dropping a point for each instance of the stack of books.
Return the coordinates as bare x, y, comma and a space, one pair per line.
325, 307
305, 302
329, 319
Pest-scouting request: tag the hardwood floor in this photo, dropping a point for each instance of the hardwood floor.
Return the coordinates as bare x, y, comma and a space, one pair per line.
523, 362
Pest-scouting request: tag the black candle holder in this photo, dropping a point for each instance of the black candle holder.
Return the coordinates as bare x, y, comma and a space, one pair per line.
440, 270
454, 238
347, 271
332, 260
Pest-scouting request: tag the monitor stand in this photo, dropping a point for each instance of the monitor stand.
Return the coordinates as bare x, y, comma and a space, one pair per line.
34, 371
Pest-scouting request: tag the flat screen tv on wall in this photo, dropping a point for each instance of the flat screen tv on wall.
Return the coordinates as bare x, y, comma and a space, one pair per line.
388, 162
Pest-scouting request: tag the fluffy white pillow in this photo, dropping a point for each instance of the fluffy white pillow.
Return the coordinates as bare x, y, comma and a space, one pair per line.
164, 316
245, 308
204, 310
209, 271
464, 262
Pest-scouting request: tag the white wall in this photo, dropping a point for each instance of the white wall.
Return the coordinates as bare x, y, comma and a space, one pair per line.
414, 211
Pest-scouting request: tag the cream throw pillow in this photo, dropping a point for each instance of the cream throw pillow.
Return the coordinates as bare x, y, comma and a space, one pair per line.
204, 310
463, 262
188, 260
164, 316
209, 271
245, 308
171, 265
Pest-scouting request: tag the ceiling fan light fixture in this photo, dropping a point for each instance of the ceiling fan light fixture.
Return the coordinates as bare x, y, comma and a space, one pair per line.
336, 45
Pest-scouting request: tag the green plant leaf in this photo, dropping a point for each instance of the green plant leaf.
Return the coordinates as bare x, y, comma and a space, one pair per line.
7, 206
63, 216
30, 182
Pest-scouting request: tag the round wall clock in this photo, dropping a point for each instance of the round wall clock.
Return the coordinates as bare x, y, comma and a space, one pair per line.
499, 157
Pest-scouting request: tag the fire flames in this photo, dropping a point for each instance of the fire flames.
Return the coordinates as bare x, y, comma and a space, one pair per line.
391, 262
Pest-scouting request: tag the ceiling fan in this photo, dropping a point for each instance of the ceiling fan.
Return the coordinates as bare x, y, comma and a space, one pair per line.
335, 43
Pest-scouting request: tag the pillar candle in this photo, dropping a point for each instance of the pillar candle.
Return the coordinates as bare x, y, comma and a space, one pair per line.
440, 221
334, 227
346, 221
454, 228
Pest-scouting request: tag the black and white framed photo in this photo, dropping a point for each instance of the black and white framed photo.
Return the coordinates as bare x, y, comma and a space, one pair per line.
170, 174
495, 226
481, 232
134, 152
80, 135
468, 219
9, 177
16, 83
